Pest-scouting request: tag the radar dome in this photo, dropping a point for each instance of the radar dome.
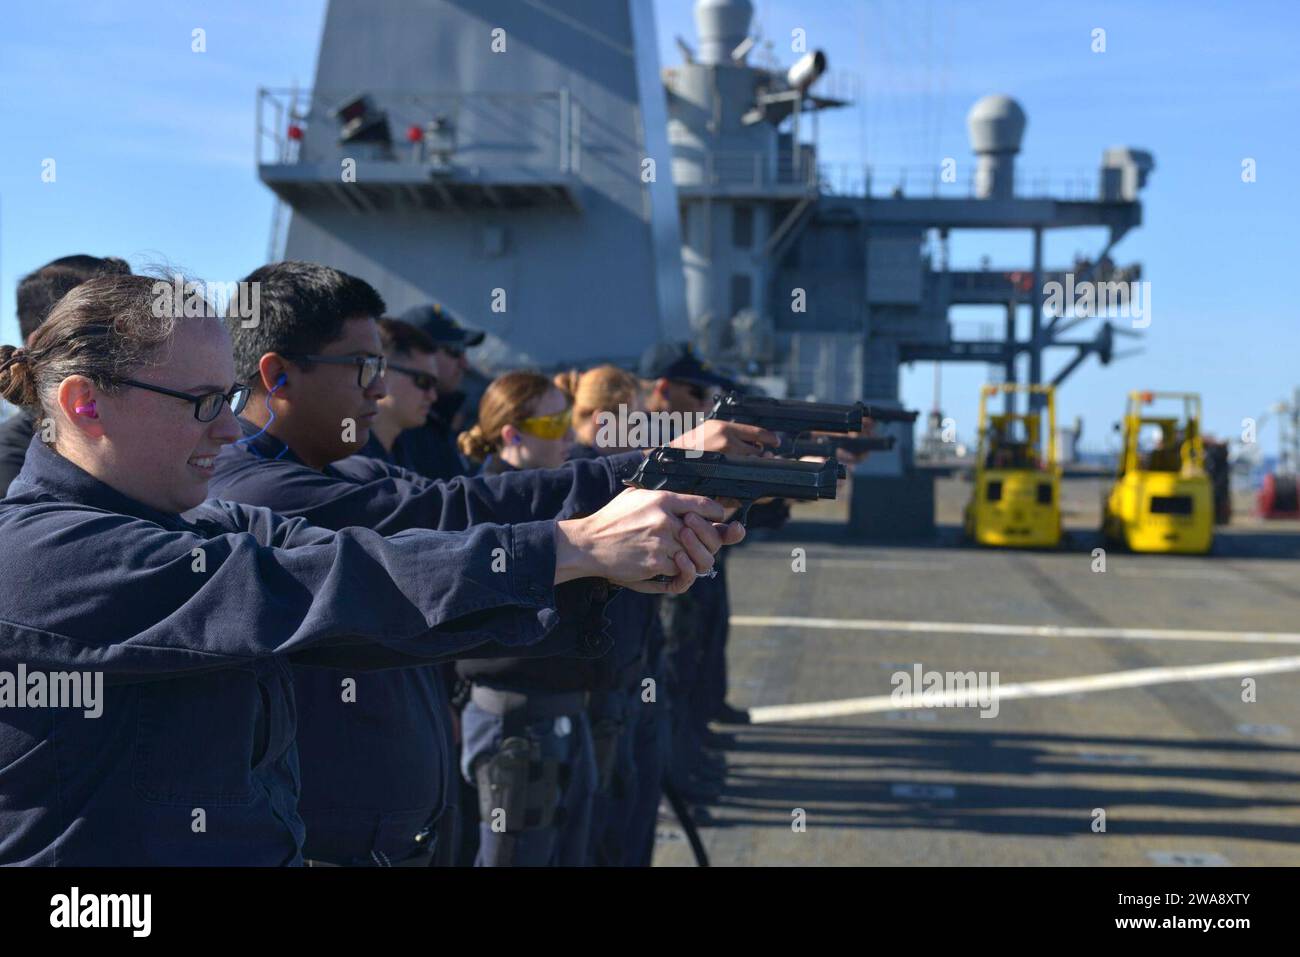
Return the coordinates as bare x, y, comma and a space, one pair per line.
996, 124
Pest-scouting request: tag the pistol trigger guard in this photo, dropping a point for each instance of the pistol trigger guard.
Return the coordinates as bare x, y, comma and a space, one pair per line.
743, 517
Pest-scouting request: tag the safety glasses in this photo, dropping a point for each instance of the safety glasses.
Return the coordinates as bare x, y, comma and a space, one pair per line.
207, 406
369, 368
548, 426
424, 381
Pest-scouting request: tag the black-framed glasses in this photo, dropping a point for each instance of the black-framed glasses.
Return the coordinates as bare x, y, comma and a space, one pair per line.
424, 381
207, 406
369, 368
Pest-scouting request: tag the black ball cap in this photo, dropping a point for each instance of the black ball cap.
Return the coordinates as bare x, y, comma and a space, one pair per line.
442, 327
676, 361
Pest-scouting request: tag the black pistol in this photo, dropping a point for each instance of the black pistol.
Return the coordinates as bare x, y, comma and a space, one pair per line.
825, 445
880, 413
745, 480
791, 418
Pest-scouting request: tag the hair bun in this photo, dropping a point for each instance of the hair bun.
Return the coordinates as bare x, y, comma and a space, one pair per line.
474, 445
568, 381
17, 383
11, 354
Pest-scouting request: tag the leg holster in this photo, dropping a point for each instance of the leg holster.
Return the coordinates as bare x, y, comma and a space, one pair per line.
517, 781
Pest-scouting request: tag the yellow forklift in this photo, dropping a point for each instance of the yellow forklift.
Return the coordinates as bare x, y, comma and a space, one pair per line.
1016, 500
1162, 499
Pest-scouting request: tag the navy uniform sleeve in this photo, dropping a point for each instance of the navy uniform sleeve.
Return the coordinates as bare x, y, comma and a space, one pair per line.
100, 591
15, 436
388, 499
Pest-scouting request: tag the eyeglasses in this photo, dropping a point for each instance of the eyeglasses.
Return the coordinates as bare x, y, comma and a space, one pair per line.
369, 368
424, 381
206, 406
548, 426
455, 352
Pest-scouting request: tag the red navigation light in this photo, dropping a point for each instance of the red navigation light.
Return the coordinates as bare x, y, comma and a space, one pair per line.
295, 131
414, 134
1147, 397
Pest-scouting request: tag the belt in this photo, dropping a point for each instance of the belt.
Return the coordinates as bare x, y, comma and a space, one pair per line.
531, 705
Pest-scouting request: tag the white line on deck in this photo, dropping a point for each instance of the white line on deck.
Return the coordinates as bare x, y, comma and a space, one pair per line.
878, 564
1028, 689
1190, 574
1017, 631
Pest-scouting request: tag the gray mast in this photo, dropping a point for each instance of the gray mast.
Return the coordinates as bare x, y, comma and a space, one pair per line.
510, 160
742, 181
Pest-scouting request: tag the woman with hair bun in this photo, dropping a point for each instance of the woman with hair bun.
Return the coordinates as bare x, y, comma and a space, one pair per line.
527, 739
523, 423
605, 394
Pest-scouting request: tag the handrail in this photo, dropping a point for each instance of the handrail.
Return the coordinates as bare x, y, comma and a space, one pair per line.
548, 120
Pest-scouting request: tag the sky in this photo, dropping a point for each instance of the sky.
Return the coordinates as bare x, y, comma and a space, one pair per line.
153, 149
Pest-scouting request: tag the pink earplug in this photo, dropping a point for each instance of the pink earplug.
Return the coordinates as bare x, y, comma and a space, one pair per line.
88, 409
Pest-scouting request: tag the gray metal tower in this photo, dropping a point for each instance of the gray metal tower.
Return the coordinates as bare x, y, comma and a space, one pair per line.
507, 158
744, 183
829, 287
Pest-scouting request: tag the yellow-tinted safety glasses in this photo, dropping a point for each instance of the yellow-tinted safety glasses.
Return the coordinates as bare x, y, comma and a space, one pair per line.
548, 426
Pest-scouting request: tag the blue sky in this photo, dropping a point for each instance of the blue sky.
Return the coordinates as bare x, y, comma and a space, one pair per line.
154, 151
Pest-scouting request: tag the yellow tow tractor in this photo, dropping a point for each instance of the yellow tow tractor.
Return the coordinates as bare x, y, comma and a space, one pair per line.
1017, 496
1162, 499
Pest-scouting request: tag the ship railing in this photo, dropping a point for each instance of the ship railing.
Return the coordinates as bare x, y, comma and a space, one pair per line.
542, 129
946, 181
753, 169
972, 330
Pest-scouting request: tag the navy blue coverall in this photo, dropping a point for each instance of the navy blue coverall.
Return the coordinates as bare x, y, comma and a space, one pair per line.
430, 449
526, 729
377, 770
192, 623
628, 715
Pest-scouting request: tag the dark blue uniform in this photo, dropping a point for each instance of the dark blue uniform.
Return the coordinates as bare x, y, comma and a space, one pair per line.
411, 451
192, 623
628, 717
430, 449
693, 625
15, 436
629, 724
528, 747
377, 768
421, 755
359, 490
